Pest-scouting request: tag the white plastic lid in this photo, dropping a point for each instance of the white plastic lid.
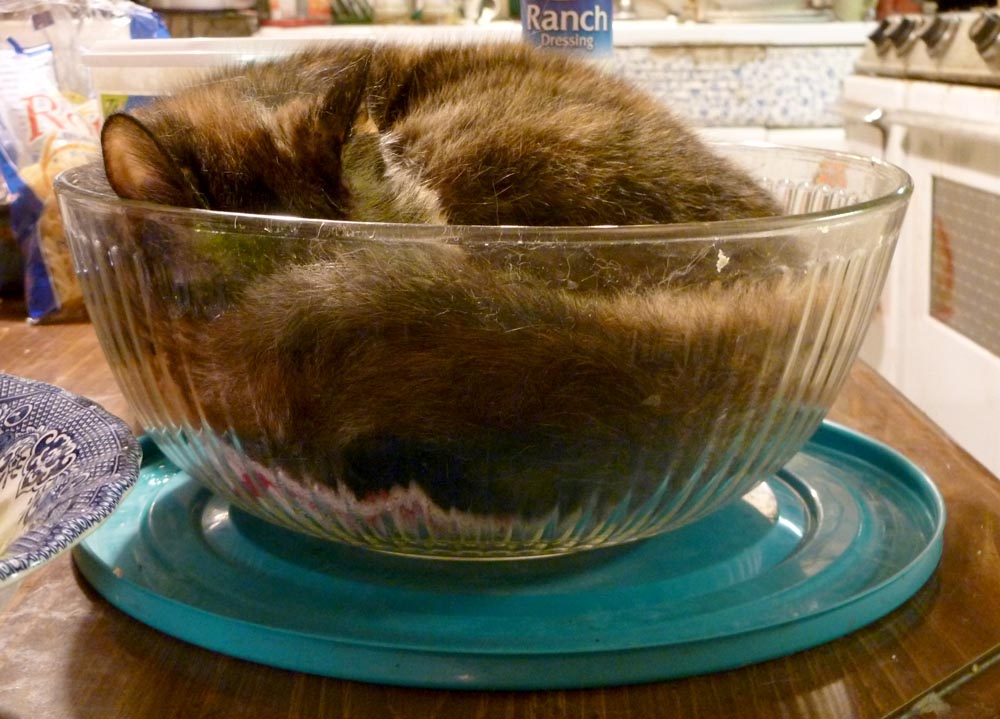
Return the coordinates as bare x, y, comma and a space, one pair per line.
195, 52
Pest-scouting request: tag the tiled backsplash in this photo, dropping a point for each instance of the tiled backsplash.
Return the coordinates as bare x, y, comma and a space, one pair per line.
740, 86
716, 75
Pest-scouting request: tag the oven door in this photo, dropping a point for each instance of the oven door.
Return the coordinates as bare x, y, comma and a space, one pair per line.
950, 279
937, 333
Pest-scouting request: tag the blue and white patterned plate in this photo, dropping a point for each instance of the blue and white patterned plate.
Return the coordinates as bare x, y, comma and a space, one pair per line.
65, 464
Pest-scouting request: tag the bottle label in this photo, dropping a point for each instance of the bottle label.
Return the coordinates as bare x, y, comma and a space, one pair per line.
576, 25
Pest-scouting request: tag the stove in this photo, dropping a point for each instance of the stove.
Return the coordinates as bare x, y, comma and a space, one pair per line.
962, 46
925, 95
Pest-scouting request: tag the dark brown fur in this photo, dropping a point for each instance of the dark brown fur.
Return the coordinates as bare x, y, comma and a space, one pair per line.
488, 391
498, 379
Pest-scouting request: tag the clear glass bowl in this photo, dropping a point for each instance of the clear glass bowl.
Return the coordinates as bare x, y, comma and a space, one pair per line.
488, 391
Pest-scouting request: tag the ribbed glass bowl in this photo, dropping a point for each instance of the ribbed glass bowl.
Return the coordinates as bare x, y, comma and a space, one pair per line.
488, 391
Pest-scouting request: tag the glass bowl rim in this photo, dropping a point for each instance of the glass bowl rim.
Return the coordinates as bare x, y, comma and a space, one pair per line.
66, 185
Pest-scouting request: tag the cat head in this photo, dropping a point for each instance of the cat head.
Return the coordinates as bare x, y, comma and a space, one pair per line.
255, 142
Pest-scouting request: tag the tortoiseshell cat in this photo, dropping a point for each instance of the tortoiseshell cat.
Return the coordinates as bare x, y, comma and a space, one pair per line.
490, 379
492, 135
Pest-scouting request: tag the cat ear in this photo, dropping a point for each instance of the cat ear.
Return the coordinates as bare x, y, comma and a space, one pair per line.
346, 96
138, 168
315, 127
391, 79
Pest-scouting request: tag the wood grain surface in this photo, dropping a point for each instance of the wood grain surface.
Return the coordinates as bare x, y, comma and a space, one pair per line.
65, 653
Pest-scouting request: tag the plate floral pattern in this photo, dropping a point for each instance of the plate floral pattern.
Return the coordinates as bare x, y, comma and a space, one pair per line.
65, 464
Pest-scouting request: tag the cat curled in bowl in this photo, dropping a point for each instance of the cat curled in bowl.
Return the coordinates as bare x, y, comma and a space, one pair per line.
494, 380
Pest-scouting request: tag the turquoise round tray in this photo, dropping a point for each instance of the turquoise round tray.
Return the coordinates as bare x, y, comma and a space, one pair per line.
845, 533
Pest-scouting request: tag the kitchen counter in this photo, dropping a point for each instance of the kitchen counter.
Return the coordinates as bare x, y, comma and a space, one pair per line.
65, 653
626, 33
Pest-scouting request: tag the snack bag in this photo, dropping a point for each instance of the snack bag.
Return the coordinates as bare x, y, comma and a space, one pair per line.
51, 123
50, 131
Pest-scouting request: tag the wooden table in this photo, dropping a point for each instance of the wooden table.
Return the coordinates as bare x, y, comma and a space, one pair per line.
65, 653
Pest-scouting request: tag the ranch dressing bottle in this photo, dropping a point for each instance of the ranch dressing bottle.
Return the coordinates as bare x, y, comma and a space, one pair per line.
582, 26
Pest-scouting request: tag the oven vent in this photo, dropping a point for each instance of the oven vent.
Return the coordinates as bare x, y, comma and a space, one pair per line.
965, 261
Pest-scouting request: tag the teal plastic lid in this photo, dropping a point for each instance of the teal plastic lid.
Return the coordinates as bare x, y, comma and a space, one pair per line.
848, 531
